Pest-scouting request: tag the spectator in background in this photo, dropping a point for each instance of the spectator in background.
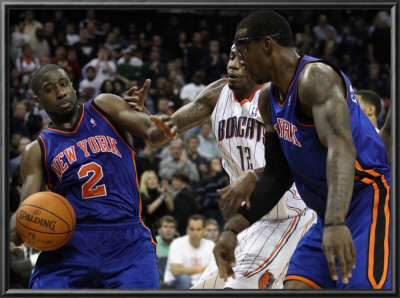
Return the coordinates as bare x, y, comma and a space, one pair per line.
17, 120
165, 56
112, 45
185, 203
192, 145
375, 81
208, 146
147, 160
51, 36
177, 161
134, 59
59, 22
214, 64
163, 106
14, 141
166, 229
207, 194
190, 90
90, 87
146, 37
71, 36
170, 33
86, 49
108, 86
60, 57
154, 68
91, 19
189, 255
26, 64
320, 30
379, 41
212, 230
329, 54
31, 24
126, 71
18, 37
16, 161
166, 234
39, 45
196, 51
156, 199
371, 104
105, 67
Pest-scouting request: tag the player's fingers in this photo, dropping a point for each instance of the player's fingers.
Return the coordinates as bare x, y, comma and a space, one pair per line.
330, 259
130, 91
341, 260
248, 204
146, 86
223, 190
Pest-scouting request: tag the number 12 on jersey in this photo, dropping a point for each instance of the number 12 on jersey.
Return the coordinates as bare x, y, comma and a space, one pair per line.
245, 153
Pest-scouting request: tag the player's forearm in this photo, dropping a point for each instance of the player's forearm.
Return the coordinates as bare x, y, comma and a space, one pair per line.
13, 231
237, 223
340, 180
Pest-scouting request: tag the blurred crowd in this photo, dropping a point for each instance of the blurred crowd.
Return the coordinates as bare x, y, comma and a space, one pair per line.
181, 51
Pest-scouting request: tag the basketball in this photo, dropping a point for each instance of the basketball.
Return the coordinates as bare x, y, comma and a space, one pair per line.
45, 221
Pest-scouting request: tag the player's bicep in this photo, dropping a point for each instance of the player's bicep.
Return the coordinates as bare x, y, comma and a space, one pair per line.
123, 115
31, 170
322, 96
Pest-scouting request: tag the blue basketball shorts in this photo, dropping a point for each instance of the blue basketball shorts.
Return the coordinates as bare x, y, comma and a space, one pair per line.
369, 222
113, 256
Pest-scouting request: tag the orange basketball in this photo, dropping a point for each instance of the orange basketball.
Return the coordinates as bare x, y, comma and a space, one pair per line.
45, 221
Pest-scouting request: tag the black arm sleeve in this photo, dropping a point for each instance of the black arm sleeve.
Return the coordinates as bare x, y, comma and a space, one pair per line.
275, 180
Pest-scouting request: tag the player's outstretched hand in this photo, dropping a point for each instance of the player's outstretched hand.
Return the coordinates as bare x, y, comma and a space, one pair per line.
234, 194
224, 254
136, 98
337, 241
165, 123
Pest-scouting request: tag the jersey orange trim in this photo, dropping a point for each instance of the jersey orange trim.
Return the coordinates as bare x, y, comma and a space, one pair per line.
377, 284
77, 126
113, 128
246, 99
280, 244
302, 279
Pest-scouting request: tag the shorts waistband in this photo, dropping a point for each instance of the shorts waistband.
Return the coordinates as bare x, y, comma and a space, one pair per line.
125, 223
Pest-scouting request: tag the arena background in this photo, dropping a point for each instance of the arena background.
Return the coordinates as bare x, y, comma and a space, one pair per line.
189, 21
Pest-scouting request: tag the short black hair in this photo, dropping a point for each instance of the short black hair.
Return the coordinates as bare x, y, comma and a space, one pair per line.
268, 23
197, 217
181, 176
372, 98
38, 75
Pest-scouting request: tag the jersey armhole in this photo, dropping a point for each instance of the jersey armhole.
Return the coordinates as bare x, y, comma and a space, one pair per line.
43, 159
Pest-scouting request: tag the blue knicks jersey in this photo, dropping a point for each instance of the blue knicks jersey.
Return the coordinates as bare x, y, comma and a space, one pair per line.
307, 156
93, 167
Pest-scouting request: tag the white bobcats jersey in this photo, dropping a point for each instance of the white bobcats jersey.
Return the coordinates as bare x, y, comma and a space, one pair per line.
239, 131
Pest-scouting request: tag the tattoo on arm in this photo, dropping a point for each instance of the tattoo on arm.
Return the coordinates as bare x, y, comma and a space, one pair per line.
200, 109
237, 223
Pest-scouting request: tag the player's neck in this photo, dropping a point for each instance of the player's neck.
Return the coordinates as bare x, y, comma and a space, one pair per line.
245, 94
285, 70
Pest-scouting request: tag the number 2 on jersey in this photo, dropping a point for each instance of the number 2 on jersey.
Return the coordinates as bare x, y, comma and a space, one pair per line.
245, 153
90, 189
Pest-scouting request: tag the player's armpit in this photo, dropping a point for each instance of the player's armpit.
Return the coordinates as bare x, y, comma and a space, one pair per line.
275, 180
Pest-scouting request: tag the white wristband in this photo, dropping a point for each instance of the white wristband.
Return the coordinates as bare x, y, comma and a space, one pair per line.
254, 173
